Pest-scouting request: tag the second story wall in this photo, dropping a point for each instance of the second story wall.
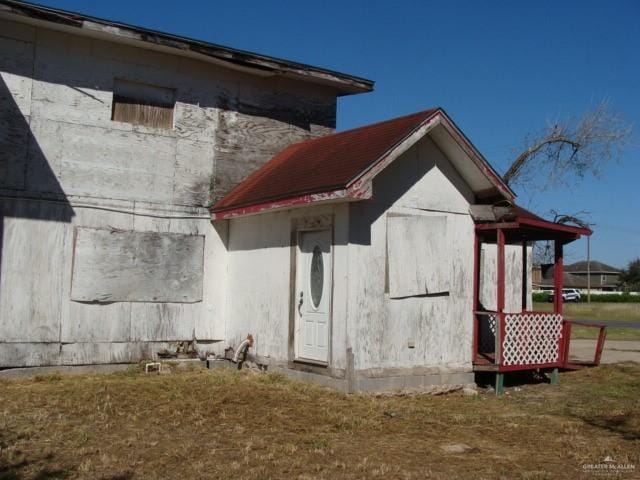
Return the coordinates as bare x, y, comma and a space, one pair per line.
61, 93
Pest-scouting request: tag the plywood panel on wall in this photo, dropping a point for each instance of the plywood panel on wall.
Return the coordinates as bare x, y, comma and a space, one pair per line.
89, 322
417, 252
112, 266
34, 234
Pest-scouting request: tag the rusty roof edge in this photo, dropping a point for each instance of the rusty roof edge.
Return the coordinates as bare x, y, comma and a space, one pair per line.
274, 198
345, 83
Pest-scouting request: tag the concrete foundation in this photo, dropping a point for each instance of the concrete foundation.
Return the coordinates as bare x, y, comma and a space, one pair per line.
339, 384
379, 384
364, 382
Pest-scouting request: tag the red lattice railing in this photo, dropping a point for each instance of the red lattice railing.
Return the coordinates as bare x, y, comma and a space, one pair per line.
520, 341
532, 338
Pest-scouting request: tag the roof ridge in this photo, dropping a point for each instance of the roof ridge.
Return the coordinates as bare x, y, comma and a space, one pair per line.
593, 263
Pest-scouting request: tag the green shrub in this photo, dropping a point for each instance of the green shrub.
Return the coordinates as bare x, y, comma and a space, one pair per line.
541, 297
612, 298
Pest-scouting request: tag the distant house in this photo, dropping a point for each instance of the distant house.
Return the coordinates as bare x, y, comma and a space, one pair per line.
603, 277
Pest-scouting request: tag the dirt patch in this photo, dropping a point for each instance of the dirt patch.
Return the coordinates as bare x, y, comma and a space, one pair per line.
229, 424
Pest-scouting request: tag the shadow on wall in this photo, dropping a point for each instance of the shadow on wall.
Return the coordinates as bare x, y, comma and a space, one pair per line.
25, 173
24, 169
285, 108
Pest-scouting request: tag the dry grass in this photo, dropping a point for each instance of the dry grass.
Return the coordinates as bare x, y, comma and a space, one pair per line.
622, 312
229, 424
613, 333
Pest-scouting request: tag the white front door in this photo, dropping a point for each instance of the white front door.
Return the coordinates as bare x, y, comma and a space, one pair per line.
313, 295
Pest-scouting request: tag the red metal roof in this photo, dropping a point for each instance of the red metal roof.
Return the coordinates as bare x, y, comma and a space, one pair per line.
322, 164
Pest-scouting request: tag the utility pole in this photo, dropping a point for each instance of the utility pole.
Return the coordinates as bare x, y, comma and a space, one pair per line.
588, 268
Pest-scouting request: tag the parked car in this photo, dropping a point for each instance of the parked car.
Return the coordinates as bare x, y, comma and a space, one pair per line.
568, 295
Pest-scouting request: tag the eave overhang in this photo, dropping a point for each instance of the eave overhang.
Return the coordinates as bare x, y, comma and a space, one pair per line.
242, 60
526, 229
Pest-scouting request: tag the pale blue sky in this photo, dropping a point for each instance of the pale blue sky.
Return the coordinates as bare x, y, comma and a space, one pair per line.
501, 69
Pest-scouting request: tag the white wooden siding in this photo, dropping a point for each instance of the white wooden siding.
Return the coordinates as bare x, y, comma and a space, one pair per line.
428, 331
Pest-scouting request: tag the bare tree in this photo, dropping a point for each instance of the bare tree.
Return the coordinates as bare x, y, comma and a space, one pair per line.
570, 149
566, 151
574, 218
543, 251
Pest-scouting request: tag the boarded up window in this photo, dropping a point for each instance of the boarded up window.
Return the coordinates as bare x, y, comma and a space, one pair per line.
418, 255
142, 104
113, 266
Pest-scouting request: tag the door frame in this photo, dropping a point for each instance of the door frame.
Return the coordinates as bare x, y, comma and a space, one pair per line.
299, 226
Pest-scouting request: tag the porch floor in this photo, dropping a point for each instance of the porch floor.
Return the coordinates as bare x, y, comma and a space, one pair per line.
485, 362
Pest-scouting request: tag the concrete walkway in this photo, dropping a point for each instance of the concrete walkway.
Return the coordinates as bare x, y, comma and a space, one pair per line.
615, 351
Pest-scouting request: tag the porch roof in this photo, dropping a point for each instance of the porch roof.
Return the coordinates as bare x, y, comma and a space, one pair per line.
519, 224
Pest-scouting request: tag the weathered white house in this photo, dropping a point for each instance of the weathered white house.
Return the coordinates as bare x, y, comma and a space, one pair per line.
355, 252
388, 256
382, 257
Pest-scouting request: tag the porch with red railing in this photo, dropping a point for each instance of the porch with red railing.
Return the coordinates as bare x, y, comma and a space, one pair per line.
507, 341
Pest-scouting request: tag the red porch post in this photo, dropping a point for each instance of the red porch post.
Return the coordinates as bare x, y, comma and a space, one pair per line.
476, 295
500, 300
525, 279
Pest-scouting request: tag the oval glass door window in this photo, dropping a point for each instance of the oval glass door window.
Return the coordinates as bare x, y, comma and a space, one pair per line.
316, 276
